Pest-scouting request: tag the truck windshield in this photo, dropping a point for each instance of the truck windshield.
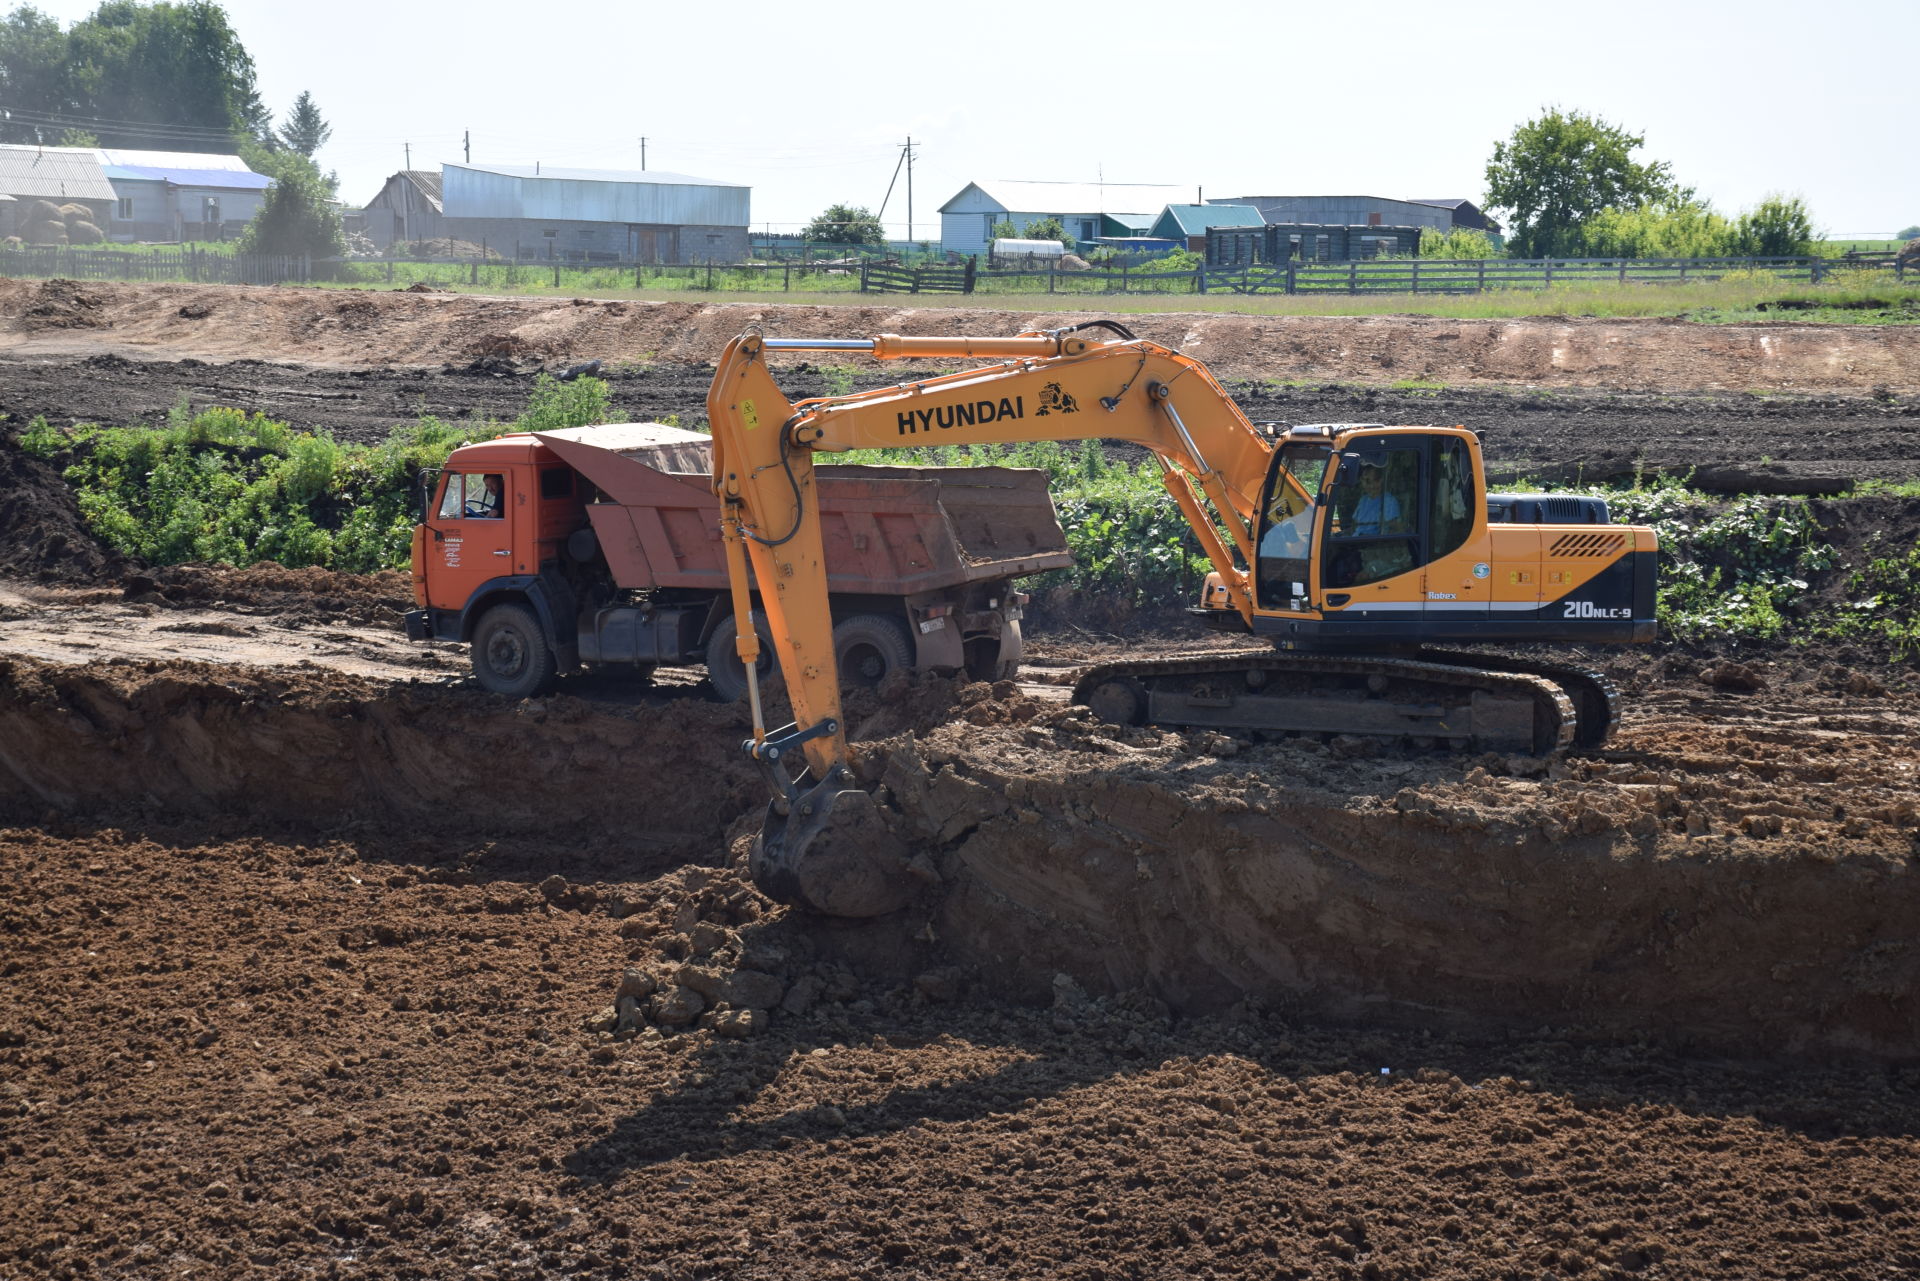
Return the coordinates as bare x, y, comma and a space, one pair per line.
1286, 526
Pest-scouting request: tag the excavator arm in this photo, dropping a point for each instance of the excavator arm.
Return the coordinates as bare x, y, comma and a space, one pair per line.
1055, 385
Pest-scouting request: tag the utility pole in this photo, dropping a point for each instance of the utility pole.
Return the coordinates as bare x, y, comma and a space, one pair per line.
909, 192
409, 147
643, 155
466, 145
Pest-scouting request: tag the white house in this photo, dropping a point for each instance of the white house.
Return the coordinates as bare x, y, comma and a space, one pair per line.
1086, 209
180, 195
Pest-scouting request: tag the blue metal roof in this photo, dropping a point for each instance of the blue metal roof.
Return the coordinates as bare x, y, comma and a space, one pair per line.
231, 179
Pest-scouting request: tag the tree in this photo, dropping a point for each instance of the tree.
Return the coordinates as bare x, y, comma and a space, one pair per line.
846, 225
1048, 229
306, 131
1558, 171
1004, 230
1779, 227
1908, 234
297, 216
1458, 242
163, 76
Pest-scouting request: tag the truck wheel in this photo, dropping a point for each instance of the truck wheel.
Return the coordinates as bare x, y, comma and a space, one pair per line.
728, 673
510, 653
868, 648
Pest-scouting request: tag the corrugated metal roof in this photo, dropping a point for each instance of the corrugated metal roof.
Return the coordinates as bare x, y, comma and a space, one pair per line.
428, 181
226, 179
53, 173
654, 177
1018, 196
1193, 220
199, 161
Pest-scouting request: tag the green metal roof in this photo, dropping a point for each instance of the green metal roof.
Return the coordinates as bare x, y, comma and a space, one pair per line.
1178, 221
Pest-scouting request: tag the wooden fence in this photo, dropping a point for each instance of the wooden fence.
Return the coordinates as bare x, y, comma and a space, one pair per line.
1373, 276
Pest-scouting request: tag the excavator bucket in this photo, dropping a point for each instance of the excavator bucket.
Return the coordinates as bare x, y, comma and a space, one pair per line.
829, 850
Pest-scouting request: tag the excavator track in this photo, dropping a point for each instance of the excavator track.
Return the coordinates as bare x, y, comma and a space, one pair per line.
1420, 700
1594, 695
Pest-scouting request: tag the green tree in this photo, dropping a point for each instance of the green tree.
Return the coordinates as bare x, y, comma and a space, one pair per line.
1909, 233
846, 225
33, 75
1675, 229
1560, 170
1459, 242
1004, 230
1779, 227
1048, 229
164, 76
298, 215
306, 130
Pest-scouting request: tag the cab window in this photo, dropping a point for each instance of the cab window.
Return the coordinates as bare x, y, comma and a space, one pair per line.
1453, 498
472, 496
1287, 517
1374, 520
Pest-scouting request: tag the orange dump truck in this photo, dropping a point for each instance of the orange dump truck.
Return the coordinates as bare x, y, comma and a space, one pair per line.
552, 551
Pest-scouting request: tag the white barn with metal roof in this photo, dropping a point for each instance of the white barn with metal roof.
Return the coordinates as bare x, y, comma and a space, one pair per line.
1086, 209
546, 212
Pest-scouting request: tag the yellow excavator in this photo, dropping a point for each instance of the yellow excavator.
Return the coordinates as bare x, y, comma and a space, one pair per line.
1359, 550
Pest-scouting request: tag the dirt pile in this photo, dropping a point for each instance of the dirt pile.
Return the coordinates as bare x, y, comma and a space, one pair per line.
63, 304
396, 328
42, 534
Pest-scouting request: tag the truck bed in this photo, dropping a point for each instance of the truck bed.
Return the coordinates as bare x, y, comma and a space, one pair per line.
888, 529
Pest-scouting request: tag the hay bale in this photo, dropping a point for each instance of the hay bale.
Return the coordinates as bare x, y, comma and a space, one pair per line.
52, 232
41, 211
82, 232
75, 213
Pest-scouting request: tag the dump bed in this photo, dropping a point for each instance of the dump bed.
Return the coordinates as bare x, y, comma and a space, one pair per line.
888, 530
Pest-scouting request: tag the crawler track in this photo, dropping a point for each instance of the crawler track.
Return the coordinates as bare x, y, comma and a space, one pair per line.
1465, 704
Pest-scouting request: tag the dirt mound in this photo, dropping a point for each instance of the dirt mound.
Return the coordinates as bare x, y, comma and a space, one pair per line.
64, 304
42, 534
430, 329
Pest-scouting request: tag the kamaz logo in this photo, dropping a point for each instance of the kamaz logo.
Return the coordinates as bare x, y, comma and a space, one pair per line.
1587, 609
975, 414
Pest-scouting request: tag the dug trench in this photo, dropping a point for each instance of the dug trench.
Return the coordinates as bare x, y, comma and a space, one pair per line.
1737, 878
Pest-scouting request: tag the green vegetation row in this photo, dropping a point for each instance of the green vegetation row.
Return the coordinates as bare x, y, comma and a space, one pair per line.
225, 486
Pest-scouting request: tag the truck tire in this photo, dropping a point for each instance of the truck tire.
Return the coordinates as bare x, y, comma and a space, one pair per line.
511, 655
868, 648
983, 657
728, 673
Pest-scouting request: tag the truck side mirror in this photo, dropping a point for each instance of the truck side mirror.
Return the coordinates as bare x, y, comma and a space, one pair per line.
1348, 473
423, 501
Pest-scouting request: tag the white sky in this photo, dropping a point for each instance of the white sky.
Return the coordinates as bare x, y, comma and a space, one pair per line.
808, 103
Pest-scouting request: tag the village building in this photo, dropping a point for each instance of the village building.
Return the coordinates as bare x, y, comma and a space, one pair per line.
546, 213
1087, 210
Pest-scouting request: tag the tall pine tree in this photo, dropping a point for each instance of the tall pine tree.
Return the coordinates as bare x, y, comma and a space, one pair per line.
306, 130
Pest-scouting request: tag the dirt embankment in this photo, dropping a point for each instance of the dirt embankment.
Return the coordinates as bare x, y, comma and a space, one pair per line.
1637, 894
399, 328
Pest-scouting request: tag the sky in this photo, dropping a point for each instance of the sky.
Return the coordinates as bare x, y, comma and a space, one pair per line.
811, 105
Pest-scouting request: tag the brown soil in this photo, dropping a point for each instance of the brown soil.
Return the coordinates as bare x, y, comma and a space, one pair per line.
397, 328
313, 959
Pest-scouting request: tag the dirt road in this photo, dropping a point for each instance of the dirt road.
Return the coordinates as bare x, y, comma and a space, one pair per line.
312, 960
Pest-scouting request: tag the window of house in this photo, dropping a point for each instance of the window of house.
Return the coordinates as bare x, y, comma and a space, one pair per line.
125, 211
210, 209
550, 233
